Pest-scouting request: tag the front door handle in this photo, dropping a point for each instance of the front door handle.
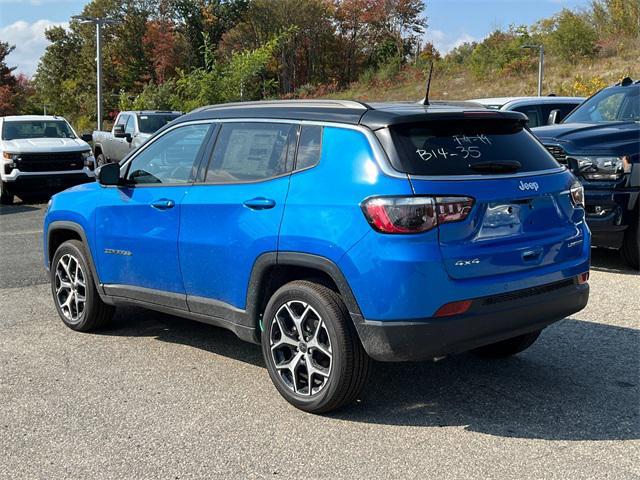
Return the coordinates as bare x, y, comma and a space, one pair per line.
260, 203
163, 204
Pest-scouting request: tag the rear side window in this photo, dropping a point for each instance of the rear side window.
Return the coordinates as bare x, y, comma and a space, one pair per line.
249, 152
309, 147
532, 114
452, 147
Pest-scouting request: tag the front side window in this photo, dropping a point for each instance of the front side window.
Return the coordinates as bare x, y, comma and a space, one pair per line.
18, 130
249, 152
171, 158
531, 113
130, 127
615, 104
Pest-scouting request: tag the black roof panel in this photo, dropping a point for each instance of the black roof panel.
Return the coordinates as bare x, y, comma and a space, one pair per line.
374, 115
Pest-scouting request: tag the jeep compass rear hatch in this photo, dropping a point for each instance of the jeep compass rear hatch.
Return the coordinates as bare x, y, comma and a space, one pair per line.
502, 203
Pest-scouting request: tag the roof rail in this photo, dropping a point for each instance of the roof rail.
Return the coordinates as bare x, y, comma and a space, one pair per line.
354, 104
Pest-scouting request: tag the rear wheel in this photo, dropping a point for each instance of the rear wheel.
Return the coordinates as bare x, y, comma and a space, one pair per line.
74, 290
631, 245
6, 197
312, 351
508, 347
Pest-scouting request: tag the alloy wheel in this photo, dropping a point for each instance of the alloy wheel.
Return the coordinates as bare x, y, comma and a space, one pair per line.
301, 348
71, 288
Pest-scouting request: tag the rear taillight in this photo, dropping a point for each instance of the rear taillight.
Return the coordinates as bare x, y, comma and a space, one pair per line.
583, 278
414, 214
577, 194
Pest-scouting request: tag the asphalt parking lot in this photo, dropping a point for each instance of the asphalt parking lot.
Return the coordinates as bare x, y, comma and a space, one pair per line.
154, 396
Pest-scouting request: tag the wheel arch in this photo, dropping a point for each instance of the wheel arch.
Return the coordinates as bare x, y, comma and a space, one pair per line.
272, 270
61, 231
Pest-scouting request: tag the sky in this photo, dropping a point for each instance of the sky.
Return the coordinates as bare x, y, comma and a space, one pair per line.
451, 22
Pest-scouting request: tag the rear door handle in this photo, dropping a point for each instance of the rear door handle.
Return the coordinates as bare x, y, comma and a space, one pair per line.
163, 204
260, 203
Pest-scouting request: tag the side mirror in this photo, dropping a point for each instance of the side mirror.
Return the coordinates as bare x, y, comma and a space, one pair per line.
118, 131
553, 117
128, 137
108, 174
87, 137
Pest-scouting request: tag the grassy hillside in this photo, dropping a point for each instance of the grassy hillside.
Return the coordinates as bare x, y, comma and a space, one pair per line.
459, 83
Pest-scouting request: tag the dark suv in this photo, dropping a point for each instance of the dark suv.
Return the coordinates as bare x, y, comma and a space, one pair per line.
331, 232
600, 143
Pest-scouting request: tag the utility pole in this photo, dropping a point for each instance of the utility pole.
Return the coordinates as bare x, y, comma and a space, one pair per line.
99, 23
540, 49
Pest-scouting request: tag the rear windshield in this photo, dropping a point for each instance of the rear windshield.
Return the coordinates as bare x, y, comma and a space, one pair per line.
452, 147
154, 122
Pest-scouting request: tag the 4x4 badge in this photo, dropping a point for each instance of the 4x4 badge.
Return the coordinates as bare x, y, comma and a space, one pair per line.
464, 263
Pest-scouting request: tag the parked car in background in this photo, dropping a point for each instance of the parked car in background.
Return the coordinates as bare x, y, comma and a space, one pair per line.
600, 143
130, 130
39, 155
331, 232
539, 110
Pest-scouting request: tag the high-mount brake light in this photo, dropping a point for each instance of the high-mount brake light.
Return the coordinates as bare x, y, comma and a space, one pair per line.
414, 214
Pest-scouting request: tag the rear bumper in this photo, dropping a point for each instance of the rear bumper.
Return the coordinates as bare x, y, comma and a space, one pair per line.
490, 320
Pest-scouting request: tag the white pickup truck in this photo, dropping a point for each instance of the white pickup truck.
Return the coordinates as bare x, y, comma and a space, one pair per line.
41, 154
130, 130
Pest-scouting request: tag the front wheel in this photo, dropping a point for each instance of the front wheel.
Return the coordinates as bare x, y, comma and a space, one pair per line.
312, 351
6, 197
101, 160
74, 289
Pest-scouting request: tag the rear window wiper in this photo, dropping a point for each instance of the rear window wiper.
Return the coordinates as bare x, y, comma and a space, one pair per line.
496, 167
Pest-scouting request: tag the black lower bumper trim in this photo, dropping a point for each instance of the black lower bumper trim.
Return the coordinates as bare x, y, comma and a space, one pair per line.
484, 324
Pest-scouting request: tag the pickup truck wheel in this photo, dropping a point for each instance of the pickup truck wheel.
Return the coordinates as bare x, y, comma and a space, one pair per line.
74, 290
6, 197
508, 347
312, 351
631, 246
101, 160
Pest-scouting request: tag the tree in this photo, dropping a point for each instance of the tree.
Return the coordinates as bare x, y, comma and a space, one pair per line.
7, 81
571, 37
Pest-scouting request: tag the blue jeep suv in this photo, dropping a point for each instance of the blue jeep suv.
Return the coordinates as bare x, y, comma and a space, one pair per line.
332, 233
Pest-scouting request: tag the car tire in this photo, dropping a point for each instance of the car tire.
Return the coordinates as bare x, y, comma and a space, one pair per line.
6, 197
509, 347
630, 250
74, 289
312, 351
101, 160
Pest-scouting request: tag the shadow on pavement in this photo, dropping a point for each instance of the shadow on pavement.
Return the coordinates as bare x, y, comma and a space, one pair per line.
578, 382
607, 260
18, 208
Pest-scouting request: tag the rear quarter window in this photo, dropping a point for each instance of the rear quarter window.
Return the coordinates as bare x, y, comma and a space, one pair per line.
450, 147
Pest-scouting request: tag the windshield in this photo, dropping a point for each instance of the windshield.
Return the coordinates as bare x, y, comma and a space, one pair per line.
615, 104
461, 147
153, 123
36, 129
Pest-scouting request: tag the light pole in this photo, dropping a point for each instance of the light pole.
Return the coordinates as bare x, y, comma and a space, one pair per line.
98, 22
540, 65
